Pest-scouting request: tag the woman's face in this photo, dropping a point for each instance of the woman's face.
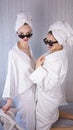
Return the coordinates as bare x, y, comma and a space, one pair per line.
55, 46
24, 33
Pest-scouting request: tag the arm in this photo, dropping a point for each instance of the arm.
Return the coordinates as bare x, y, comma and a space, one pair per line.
11, 78
9, 89
7, 106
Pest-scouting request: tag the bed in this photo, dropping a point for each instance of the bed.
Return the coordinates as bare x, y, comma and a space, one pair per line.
60, 123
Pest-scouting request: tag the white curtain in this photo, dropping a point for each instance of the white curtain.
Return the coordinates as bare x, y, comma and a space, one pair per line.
44, 13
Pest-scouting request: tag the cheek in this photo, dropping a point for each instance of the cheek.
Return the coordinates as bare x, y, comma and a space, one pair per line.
20, 39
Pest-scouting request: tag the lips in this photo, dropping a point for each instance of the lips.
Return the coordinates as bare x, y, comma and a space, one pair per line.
25, 40
48, 46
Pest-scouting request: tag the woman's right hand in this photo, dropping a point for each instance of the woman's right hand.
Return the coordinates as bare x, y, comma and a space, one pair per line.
7, 106
40, 61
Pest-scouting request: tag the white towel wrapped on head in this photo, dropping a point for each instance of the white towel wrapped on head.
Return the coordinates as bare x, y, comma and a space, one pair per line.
63, 32
23, 18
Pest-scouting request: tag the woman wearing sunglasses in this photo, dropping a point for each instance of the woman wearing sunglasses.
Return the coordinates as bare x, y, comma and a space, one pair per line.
18, 86
50, 75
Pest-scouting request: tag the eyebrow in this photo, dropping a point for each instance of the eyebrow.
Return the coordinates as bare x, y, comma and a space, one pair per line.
26, 32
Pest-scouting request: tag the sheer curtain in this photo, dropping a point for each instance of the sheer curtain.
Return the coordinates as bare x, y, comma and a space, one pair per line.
44, 13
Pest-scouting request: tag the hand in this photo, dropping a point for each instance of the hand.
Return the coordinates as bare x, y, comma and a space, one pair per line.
40, 61
7, 106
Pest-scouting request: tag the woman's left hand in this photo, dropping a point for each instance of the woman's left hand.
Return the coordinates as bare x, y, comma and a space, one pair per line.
40, 61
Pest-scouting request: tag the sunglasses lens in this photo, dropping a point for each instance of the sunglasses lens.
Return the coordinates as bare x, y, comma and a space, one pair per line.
50, 43
23, 36
29, 35
45, 41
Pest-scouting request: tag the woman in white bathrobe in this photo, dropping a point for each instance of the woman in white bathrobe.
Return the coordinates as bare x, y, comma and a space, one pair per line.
50, 76
18, 86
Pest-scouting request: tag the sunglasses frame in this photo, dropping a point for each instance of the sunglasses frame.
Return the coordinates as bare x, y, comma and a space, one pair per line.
50, 43
22, 36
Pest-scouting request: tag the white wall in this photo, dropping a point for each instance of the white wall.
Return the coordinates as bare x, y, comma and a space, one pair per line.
44, 13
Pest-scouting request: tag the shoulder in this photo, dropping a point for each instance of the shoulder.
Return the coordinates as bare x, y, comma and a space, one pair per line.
13, 51
57, 56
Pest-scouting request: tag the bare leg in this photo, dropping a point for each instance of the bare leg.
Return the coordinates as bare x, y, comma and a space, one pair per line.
65, 115
62, 128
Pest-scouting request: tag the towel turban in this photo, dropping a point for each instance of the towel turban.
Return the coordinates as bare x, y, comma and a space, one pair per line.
23, 18
63, 32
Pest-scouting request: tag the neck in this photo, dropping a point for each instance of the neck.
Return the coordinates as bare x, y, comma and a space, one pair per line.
23, 45
25, 48
56, 48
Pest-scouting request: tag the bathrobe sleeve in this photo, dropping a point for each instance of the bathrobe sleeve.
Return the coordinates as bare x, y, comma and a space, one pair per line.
57, 70
11, 79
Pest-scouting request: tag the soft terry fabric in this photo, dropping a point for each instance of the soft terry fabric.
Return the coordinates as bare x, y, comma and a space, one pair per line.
19, 87
23, 18
20, 66
49, 93
63, 32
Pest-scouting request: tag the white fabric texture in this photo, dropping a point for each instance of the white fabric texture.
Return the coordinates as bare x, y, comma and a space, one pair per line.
49, 93
38, 75
25, 103
23, 18
19, 86
63, 32
20, 66
8, 121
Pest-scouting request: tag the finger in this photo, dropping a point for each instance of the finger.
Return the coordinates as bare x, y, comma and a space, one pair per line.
5, 108
42, 58
42, 62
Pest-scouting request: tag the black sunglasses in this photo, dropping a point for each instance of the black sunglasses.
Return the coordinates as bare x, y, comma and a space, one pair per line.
49, 42
23, 36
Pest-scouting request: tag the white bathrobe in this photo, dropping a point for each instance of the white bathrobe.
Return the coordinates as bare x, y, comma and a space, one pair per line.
49, 93
19, 86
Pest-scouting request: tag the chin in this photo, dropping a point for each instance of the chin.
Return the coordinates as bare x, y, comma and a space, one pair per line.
25, 40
